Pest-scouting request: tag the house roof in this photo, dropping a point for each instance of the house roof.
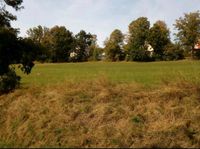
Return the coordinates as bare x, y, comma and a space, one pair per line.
197, 47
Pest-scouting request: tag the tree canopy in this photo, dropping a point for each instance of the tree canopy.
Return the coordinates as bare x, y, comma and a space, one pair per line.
137, 37
113, 46
138, 33
12, 48
159, 37
6, 16
60, 43
82, 43
188, 30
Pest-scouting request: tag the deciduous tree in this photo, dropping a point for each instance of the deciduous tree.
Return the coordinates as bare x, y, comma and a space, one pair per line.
82, 44
138, 34
159, 37
188, 30
113, 46
12, 49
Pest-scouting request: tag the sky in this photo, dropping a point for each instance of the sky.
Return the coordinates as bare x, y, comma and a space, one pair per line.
99, 17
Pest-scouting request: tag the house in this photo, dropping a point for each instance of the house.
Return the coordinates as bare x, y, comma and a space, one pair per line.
197, 47
73, 54
102, 56
150, 49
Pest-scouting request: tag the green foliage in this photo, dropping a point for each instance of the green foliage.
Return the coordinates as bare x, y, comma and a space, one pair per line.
5, 16
95, 53
59, 45
8, 51
37, 34
14, 3
137, 119
112, 52
94, 50
173, 52
140, 55
113, 46
197, 54
54, 45
13, 49
138, 34
61, 41
159, 37
9, 81
188, 28
82, 44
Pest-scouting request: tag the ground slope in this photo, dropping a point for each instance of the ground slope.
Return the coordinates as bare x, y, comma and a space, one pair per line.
101, 114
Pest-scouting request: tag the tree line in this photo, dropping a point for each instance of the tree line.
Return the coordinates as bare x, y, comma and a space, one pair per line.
58, 44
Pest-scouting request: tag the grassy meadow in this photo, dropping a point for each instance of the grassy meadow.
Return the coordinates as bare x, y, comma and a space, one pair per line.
122, 72
98, 104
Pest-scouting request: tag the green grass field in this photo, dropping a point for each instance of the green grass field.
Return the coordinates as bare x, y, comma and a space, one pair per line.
101, 104
145, 73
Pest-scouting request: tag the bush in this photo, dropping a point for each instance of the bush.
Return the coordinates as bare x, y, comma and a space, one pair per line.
173, 52
197, 55
9, 81
140, 55
95, 53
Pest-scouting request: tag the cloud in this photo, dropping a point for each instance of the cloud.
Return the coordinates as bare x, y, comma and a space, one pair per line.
100, 17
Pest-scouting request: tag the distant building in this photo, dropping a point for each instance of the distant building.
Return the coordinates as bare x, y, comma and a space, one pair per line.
197, 47
73, 54
150, 49
102, 56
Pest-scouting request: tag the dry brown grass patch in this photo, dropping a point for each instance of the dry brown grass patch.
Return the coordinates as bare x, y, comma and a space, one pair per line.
101, 114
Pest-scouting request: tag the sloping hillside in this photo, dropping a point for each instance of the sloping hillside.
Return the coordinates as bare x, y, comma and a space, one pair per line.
101, 114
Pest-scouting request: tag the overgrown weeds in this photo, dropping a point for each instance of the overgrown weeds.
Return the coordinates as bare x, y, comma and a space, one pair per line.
102, 114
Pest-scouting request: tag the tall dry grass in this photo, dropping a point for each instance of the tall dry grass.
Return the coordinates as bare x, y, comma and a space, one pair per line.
102, 114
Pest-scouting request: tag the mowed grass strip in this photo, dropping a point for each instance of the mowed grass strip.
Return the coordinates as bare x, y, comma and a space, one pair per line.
120, 72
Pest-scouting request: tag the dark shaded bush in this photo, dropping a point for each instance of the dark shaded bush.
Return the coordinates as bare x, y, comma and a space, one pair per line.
140, 55
173, 52
197, 55
9, 81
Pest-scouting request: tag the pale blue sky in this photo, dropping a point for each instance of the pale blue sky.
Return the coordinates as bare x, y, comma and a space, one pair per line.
100, 17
